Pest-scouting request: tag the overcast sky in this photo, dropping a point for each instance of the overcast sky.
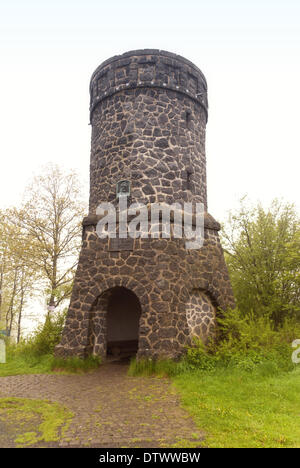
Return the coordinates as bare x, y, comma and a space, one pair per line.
248, 50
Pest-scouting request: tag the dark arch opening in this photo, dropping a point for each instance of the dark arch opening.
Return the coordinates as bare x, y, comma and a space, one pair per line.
123, 318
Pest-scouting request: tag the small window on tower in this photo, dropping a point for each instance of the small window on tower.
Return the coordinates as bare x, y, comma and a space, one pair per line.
189, 183
188, 118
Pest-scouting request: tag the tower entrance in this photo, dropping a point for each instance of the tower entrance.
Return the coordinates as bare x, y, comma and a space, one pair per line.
123, 317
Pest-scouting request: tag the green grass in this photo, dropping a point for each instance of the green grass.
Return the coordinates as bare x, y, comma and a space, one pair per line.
21, 414
28, 363
238, 409
238, 405
75, 364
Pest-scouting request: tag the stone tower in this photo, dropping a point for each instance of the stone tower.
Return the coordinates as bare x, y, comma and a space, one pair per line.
148, 296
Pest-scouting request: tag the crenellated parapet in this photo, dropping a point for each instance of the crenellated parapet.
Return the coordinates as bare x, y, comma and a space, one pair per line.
148, 68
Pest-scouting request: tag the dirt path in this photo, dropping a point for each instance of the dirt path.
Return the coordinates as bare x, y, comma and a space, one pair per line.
110, 408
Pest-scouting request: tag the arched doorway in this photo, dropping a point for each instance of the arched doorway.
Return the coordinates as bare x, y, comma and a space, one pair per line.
122, 323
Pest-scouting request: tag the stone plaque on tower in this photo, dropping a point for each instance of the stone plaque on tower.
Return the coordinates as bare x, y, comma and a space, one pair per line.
123, 188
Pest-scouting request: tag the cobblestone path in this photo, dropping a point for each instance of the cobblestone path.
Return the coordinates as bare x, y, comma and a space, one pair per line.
110, 408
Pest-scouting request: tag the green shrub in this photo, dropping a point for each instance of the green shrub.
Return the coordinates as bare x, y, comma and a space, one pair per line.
200, 357
44, 339
36, 352
247, 344
243, 344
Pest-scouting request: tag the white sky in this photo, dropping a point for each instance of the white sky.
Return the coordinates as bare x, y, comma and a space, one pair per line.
248, 50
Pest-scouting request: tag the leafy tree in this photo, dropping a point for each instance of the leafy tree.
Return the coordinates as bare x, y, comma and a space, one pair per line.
51, 215
17, 273
263, 255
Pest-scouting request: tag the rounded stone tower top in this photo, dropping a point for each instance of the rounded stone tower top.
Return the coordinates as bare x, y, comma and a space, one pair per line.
148, 114
151, 68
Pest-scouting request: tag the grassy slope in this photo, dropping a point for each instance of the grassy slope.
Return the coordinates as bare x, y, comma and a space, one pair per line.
18, 365
244, 410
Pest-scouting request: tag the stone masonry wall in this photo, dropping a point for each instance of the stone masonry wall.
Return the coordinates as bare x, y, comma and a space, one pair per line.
164, 276
142, 135
148, 115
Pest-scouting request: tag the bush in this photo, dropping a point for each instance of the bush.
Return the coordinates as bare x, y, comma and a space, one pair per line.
200, 357
44, 339
248, 344
36, 352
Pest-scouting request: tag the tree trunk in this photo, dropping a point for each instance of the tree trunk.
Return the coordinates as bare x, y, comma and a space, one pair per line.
21, 307
1, 286
10, 311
